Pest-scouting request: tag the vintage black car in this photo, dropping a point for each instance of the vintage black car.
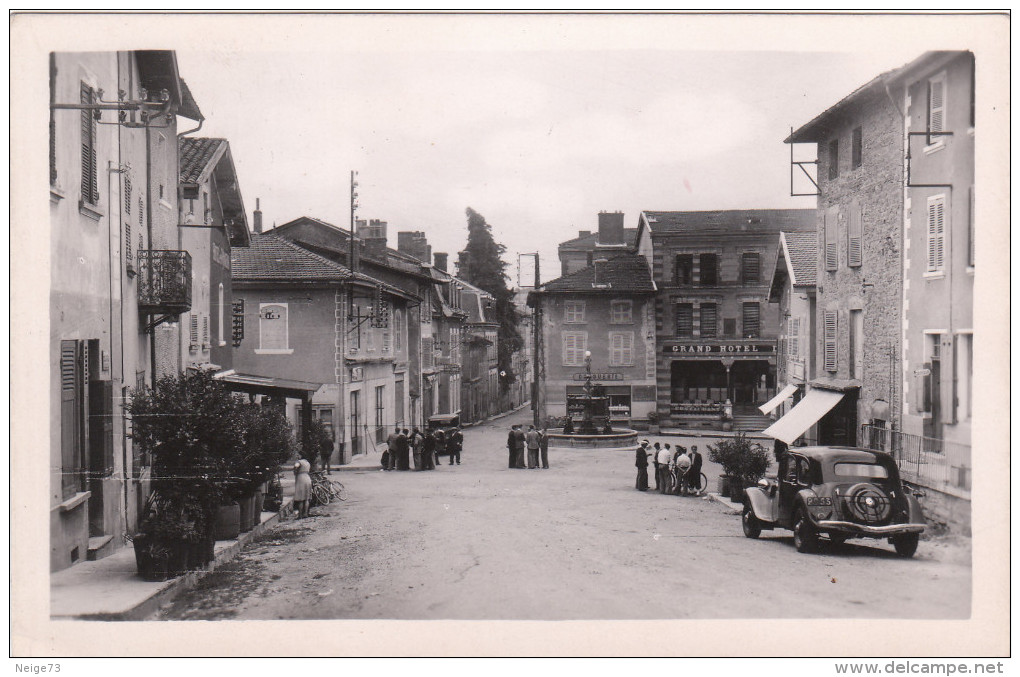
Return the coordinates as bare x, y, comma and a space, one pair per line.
841, 492
445, 422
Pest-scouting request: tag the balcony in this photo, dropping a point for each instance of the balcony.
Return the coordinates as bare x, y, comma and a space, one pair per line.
164, 282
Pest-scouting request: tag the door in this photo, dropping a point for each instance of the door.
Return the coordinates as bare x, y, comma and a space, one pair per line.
73, 403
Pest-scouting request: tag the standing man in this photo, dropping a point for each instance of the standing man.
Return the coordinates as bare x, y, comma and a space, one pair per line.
440, 444
641, 462
456, 444
511, 447
696, 462
416, 442
544, 447
664, 469
428, 451
533, 440
519, 447
326, 450
391, 449
403, 449
655, 464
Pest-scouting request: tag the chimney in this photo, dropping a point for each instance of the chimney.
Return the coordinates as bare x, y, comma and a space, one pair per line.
463, 261
611, 228
414, 244
257, 221
583, 233
373, 235
441, 259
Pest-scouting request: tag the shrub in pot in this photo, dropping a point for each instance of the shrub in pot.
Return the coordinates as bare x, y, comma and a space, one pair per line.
744, 462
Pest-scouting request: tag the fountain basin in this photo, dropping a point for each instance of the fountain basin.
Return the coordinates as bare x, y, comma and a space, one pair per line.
621, 437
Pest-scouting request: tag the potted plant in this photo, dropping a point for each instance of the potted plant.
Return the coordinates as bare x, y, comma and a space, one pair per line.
744, 463
653, 422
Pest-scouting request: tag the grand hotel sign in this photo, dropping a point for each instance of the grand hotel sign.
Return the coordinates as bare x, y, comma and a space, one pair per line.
721, 348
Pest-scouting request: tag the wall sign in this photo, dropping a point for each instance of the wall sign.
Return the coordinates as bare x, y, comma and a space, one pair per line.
730, 348
599, 376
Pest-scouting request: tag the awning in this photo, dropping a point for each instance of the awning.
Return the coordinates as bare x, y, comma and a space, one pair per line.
267, 385
816, 403
778, 399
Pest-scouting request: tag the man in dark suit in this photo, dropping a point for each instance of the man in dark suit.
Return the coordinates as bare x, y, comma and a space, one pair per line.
695, 471
391, 450
511, 447
455, 445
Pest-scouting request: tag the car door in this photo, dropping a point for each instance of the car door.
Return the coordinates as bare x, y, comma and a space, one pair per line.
789, 485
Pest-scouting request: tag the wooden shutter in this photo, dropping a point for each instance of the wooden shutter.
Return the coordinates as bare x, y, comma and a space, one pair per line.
936, 107
829, 340
193, 330
793, 338
89, 189
205, 330
750, 265
936, 233
831, 253
684, 319
709, 320
854, 236
751, 320
71, 407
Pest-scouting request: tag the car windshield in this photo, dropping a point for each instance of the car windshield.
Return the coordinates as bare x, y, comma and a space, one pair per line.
861, 470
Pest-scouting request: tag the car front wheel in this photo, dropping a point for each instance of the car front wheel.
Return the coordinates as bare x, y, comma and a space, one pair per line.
752, 529
906, 545
805, 537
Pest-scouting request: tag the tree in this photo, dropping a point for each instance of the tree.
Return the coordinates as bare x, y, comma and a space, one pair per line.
486, 269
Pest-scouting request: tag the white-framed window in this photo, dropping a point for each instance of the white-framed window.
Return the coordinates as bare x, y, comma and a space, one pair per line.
936, 233
573, 312
621, 348
273, 329
575, 343
621, 311
936, 109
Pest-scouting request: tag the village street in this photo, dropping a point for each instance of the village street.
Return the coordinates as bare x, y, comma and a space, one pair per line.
479, 541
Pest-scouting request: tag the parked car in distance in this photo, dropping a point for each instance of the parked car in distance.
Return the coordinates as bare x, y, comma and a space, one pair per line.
841, 492
445, 422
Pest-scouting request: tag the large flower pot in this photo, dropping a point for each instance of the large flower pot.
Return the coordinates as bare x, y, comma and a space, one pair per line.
227, 522
246, 506
723, 485
179, 551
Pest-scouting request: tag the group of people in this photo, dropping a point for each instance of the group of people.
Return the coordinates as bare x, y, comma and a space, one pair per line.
676, 471
406, 449
535, 441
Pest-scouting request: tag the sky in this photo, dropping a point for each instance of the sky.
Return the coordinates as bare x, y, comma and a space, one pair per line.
537, 141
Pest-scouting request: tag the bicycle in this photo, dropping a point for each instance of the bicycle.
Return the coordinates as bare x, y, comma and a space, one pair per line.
680, 485
326, 490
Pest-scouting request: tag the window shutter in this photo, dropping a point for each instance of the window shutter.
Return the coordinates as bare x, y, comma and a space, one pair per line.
793, 340
87, 156
71, 403
205, 331
53, 123
709, 321
193, 330
829, 339
830, 252
855, 234
684, 319
750, 268
751, 320
936, 107
936, 233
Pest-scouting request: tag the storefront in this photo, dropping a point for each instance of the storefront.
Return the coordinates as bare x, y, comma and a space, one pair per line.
703, 376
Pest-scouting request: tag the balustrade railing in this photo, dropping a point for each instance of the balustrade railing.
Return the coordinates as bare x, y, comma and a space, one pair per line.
935, 463
164, 281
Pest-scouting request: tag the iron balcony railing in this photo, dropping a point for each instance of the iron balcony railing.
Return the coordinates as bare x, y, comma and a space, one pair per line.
164, 281
935, 463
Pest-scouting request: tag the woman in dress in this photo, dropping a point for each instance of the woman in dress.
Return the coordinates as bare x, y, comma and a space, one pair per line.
302, 487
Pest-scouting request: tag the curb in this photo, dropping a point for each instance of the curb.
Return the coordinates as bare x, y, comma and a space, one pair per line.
731, 507
187, 581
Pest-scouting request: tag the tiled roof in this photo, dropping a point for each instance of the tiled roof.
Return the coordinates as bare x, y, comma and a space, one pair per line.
591, 240
763, 219
273, 258
623, 273
801, 251
195, 156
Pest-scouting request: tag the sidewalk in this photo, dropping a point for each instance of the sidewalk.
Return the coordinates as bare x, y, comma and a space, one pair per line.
702, 432
111, 588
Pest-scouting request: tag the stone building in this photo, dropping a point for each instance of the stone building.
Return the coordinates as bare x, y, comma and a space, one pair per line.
716, 333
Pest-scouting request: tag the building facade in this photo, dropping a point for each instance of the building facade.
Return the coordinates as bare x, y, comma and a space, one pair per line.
600, 317
716, 333
579, 253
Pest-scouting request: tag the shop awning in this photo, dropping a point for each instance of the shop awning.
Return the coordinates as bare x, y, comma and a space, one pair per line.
778, 399
816, 403
267, 385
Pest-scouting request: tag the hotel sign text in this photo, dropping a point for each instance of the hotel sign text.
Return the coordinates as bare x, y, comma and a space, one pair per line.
736, 348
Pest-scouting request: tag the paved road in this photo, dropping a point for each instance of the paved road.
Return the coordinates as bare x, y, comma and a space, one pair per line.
479, 541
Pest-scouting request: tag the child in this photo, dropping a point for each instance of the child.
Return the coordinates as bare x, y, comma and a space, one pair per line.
302, 487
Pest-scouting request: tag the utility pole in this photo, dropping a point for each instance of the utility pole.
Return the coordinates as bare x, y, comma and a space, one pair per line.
536, 352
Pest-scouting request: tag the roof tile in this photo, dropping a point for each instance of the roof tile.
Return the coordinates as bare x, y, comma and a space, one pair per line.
624, 273
802, 253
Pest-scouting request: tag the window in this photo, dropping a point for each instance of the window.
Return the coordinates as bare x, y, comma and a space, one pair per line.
970, 228
621, 348
398, 402
856, 344
380, 407
89, 160
398, 330
750, 268
273, 328
751, 319
829, 340
833, 159
573, 312
193, 332
222, 318
856, 148
936, 108
936, 233
205, 331
708, 273
708, 312
427, 353
355, 421
621, 312
575, 343
831, 253
127, 221
684, 271
685, 319
793, 338
855, 236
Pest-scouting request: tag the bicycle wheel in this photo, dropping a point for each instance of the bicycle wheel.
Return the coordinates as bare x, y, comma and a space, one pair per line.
704, 484
338, 490
321, 494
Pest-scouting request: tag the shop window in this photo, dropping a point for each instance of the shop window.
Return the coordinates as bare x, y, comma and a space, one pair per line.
856, 148
89, 159
573, 312
751, 319
855, 236
750, 268
575, 343
829, 340
936, 108
621, 348
324, 414
684, 320
708, 270
621, 312
708, 313
684, 270
273, 329
936, 233
833, 159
